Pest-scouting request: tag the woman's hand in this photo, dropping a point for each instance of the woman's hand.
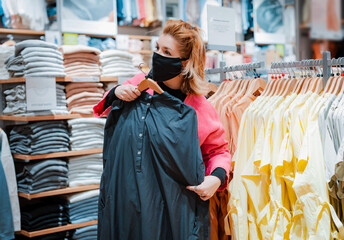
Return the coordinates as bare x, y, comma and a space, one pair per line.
207, 188
127, 92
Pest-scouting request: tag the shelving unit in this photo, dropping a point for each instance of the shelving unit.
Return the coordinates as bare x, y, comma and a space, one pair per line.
56, 229
67, 190
57, 192
43, 117
21, 32
58, 154
67, 79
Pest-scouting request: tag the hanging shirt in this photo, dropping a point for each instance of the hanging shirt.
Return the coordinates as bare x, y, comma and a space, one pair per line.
151, 153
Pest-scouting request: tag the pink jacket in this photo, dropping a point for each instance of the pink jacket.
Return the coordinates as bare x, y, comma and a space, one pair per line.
210, 130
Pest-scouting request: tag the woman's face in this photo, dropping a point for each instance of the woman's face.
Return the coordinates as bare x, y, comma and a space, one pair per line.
167, 46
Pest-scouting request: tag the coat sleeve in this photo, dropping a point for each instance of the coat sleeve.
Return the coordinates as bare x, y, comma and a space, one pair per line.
98, 110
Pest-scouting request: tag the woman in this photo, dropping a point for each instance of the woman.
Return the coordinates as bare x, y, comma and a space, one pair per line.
178, 67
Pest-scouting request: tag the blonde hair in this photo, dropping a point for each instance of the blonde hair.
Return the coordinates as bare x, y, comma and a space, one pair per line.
191, 46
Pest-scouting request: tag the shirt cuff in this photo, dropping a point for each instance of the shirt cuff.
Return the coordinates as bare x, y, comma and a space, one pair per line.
220, 173
110, 98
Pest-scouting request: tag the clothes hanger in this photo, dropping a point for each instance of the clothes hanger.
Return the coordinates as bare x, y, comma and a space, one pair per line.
257, 85
291, 82
269, 85
315, 79
320, 84
341, 60
148, 83
338, 80
283, 81
329, 82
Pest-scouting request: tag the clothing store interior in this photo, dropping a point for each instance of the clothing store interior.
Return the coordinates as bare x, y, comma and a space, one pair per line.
172, 119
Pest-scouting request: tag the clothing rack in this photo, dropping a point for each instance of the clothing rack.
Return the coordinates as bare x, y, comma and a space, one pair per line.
326, 63
242, 67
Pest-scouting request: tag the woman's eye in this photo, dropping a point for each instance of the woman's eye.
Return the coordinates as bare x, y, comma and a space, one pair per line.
156, 48
167, 53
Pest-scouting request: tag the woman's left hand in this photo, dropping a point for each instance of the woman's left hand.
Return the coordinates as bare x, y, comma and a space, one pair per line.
207, 188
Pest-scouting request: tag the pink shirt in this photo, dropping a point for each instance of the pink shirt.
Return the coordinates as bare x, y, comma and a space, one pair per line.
211, 133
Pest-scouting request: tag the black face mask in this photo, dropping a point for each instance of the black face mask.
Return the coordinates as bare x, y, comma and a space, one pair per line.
165, 68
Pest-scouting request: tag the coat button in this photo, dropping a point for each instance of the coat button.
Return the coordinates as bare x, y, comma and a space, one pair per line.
139, 152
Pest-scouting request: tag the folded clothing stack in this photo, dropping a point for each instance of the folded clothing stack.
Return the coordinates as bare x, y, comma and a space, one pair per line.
16, 102
39, 138
5, 53
86, 133
35, 58
81, 97
35, 177
38, 215
86, 233
83, 207
81, 60
85, 170
116, 63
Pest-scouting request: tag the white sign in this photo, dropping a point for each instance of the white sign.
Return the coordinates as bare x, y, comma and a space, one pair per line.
122, 42
221, 28
40, 93
85, 79
53, 37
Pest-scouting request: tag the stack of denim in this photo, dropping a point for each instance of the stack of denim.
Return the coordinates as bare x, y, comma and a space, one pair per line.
81, 60
85, 170
117, 63
86, 133
35, 177
81, 97
86, 233
83, 207
5, 53
16, 102
39, 138
43, 214
36, 58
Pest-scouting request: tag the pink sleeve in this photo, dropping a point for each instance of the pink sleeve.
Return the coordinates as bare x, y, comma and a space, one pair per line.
98, 110
215, 152
211, 135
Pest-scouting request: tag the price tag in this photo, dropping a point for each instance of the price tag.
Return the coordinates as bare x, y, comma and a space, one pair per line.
122, 42
40, 93
86, 79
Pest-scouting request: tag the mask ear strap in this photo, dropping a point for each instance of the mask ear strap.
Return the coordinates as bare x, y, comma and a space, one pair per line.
184, 59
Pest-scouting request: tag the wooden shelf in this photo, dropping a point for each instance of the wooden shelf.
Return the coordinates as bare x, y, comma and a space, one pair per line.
56, 229
43, 118
58, 79
58, 154
61, 191
21, 31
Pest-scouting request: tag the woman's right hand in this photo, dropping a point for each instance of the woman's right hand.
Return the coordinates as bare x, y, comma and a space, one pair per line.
127, 92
